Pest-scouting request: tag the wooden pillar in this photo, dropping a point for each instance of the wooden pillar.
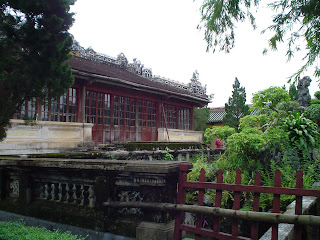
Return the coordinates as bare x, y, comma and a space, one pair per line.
177, 117
82, 105
38, 109
111, 118
137, 119
159, 111
191, 119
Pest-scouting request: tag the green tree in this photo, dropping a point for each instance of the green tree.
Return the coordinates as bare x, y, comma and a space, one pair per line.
34, 47
270, 98
236, 107
293, 92
200, 116
296, 18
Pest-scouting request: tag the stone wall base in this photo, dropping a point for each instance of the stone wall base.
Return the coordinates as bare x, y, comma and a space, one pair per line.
45, 137
155, 231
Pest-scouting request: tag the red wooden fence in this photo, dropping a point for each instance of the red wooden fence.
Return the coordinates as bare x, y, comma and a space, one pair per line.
237, 188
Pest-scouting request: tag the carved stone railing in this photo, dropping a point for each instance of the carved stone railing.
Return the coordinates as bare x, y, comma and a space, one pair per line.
72, 191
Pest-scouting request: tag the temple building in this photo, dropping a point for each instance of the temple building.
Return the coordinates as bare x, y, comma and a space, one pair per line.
110, 101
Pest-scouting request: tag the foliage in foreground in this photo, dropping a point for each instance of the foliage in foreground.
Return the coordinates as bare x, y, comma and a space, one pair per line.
18, 230
280, 138
34, 46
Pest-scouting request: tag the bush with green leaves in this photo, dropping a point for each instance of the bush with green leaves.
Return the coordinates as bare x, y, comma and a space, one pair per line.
270, 97
220, 132
303, 134
253, 121
313, 112
243, 149
14, 230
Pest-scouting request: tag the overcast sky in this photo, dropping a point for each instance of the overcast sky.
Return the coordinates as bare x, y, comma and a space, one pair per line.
163, 35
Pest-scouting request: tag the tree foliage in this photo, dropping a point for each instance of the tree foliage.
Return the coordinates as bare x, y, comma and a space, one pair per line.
200, 116
236, 107
294, 20
34, 47
293, 92
270, 98
220, 132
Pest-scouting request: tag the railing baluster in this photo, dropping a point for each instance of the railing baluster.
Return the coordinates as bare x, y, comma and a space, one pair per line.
236, 203
91, 196
256, 200
298, 207
276, 203
200, 203
216, 220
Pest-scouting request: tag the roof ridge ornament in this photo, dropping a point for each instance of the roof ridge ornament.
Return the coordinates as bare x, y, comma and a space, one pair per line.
193, 88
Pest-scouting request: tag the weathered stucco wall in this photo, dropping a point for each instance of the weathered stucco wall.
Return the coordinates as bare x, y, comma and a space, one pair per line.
44, 137
177, 135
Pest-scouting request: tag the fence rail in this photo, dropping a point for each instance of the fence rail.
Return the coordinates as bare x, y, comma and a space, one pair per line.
236, 214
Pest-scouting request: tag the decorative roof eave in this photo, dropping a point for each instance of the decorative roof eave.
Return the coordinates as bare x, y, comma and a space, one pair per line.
194, 88
91, 77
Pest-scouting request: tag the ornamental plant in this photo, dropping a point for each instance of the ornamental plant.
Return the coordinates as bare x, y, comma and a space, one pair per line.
303, 134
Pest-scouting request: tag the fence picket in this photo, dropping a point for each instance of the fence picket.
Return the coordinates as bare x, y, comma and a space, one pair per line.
217, 203
298, 207
200, 203
256, 201
236, 203
238, 188
276, 203
181, 199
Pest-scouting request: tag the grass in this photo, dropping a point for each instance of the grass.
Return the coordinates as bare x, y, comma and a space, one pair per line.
17, 230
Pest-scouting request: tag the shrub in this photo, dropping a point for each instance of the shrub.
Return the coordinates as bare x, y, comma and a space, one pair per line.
18, 230
313, 112
303, 134
220, 132
244, 148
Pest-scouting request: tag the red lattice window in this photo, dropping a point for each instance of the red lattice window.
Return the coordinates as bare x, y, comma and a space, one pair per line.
97, 108
184, 118
28, 110
62, 109
168, 112
147, 113
124, 111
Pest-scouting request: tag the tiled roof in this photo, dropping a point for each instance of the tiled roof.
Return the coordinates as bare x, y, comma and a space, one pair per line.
216, 114
92, 67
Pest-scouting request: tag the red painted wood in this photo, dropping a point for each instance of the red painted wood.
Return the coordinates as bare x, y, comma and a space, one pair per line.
216, 220
276, 204
237, 188
298, 207
181, 199
250, 188
200, 203
236, 203
256, 200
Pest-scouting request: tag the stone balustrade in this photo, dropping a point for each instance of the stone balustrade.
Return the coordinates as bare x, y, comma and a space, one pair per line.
72, 191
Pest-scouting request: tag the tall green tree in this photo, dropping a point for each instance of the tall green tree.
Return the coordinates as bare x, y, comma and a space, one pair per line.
293, 92
295, 20
34, 46
236, 107
200, 116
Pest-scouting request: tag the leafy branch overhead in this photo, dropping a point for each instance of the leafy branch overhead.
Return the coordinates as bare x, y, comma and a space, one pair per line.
294, 20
